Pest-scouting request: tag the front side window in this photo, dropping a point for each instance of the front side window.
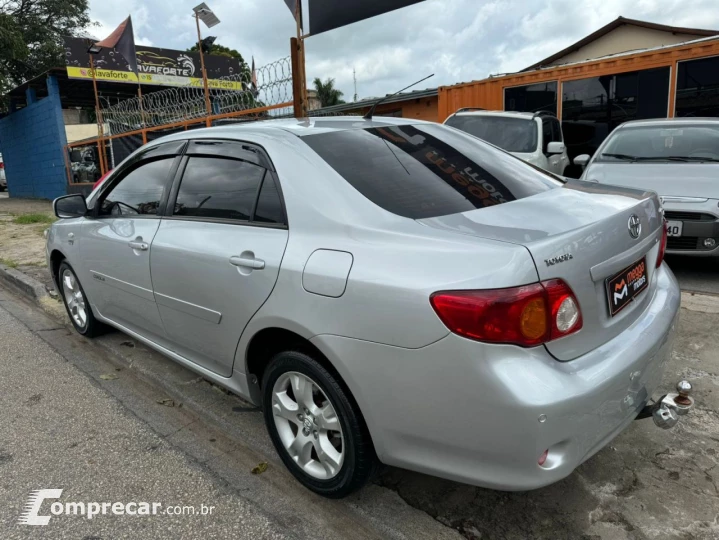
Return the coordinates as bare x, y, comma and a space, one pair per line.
510, 134
427, 171
219, 189
697, 143
140, 191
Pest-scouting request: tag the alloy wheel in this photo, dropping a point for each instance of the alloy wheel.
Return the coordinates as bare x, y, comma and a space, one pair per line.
74, 298
308, 425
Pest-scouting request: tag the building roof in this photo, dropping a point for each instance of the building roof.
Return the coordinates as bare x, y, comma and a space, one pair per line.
616, 23
356, 105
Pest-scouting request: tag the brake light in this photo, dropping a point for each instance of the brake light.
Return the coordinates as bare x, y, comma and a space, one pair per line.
527, 316
663, 244
2, 164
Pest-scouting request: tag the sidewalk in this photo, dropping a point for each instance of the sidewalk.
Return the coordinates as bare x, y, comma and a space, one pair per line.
60, 431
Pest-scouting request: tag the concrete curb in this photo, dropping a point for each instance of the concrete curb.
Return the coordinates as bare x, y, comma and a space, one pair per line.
24, 284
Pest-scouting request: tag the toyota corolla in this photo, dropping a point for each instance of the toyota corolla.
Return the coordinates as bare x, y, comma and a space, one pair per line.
388, 291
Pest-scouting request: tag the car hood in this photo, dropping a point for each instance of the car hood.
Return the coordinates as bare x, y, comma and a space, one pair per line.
667, 179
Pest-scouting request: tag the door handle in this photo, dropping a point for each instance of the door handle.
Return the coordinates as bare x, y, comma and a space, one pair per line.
138, 245
244, 262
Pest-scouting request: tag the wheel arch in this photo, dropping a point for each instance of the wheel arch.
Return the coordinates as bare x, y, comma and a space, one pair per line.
272, 340
56, 258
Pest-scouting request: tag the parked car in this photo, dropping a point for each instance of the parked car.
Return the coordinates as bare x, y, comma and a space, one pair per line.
679, 159
3, 178
533, 137
387, 290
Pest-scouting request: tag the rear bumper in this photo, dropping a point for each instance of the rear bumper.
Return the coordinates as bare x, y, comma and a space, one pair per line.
483, 414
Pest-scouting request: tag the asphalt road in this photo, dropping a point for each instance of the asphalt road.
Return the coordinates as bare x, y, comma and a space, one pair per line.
696, 274
76, 416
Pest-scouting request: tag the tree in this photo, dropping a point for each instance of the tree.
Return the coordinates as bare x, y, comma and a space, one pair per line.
219, 50
327, 93
31, 33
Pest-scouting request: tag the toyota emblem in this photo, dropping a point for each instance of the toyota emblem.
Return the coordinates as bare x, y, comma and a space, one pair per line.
635, 226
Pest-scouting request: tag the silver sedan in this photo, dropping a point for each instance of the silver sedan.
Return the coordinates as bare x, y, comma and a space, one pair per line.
389, 291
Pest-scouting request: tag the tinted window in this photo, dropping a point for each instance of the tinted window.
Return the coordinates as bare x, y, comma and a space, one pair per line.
532, 98
556, 130
592, 108
546, 134
698, 87
269, 206
663, 143
427, 170
218, 188
510, 134
140, 192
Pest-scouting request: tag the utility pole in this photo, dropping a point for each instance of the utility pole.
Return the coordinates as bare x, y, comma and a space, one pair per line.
354, 75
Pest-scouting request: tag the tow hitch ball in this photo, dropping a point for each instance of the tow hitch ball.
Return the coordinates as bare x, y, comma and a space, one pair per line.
667, 410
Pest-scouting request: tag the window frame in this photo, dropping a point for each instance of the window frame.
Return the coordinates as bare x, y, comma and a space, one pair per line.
243, 151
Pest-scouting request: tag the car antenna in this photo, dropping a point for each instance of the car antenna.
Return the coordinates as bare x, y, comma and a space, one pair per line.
369, 114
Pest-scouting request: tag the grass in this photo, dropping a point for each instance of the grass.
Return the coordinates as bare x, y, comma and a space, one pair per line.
31, 219
9, 263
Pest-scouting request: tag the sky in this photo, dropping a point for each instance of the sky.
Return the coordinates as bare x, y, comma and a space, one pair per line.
457, 40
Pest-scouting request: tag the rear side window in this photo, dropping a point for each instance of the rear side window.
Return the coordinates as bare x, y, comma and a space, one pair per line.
427, 170
218, 188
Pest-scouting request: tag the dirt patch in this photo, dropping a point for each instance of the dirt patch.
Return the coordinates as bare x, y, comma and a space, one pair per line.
23, 245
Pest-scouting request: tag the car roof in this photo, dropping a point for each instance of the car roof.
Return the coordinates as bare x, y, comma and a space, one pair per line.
657, 122
303, 127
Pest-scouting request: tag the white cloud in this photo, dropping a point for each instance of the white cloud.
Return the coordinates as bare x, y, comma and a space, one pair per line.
459, 40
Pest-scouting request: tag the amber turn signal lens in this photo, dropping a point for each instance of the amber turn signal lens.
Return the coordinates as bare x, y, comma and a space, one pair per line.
533, 321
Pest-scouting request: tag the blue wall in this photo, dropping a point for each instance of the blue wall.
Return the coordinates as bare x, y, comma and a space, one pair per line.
32, 142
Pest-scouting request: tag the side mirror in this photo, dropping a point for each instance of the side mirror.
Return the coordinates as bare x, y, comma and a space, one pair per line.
70, 206
556, 148
581, 161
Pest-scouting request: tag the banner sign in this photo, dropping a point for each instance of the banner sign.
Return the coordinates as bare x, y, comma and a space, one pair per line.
159, 67
330, 14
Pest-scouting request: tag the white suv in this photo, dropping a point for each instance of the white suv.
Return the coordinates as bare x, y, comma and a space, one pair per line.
533, 137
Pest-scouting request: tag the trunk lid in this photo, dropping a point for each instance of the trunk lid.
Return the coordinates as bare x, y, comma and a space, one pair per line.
590, 222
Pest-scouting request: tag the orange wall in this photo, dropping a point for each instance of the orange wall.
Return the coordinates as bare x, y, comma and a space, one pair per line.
489, 93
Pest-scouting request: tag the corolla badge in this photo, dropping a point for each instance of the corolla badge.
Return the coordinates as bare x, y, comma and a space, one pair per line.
635, 226
559, 259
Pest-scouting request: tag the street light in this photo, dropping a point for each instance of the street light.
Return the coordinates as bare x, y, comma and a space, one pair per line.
205, 14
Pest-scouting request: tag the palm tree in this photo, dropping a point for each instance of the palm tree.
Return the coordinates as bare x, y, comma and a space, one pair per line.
327, 93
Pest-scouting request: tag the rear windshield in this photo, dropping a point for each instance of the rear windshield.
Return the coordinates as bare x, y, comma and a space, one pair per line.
427, 170
510, 134
699, 143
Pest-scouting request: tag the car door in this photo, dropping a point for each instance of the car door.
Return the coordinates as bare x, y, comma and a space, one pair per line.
115, 245
217, 253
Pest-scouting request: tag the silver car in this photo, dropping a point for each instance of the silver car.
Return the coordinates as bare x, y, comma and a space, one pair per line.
679, 159
387, 290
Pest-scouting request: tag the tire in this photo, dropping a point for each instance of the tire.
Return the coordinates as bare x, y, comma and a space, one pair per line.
75, 300
287, 423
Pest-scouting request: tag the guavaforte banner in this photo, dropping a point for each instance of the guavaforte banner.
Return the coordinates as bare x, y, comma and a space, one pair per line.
155, 66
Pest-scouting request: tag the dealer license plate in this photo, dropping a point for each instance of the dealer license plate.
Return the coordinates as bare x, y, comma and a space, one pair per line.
674, 228
626, 286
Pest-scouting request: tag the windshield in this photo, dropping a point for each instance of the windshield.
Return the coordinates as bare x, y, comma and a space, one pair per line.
427, 170
698, 143
510, 134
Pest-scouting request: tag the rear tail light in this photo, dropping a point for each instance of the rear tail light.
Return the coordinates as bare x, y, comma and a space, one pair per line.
663, 244
2, 164
527, 316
